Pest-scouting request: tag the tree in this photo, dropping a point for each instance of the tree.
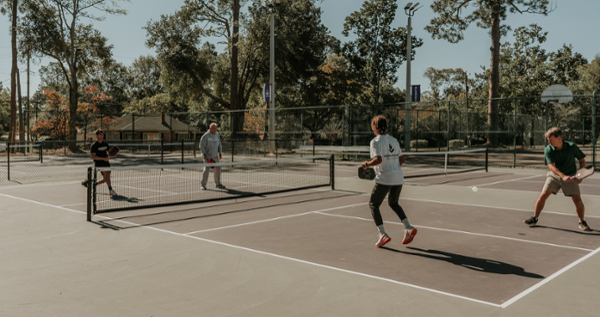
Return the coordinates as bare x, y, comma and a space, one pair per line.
379, 49
145, 73
53, 28
177, 37
487, 14
589, 78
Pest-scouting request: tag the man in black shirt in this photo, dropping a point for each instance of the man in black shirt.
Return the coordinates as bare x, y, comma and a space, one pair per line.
99, 153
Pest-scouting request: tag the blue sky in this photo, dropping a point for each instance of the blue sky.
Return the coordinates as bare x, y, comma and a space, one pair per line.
573, 22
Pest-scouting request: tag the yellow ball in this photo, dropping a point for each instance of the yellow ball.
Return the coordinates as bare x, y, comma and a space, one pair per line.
475, 188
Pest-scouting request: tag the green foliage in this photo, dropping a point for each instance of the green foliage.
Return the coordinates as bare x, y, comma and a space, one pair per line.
421, 143
456, 144
379, 49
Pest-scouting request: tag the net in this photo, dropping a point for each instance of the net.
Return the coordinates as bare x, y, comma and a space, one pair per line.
163, 185
421, 164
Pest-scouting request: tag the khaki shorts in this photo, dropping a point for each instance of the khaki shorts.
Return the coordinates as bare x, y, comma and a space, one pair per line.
554, 183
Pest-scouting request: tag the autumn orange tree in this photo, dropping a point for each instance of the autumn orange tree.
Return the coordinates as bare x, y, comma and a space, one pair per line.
87, 111
56, 122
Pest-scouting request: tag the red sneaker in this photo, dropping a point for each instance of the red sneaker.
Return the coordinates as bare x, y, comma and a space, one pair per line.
383, 240
409, 235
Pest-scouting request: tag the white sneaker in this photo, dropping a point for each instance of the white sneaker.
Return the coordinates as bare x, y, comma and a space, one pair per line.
112, 193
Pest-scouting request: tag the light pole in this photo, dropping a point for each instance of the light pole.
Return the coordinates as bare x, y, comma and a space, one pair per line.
272, 76
410, 10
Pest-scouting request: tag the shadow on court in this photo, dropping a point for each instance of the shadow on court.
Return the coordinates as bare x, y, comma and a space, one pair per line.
472, 263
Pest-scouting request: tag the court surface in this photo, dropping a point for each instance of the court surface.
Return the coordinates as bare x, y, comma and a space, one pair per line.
308, 253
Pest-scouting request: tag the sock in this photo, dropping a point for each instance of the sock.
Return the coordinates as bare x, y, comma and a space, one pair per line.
406, 224
109, 188
381, 230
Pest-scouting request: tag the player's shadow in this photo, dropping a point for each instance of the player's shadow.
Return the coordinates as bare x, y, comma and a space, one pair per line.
591, 232
132, 200
471, 263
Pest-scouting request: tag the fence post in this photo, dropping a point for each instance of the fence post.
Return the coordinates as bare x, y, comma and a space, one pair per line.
8, 159
182, 152
515, 133
41, 152
448, 130
232, 149
594, 129
162, 150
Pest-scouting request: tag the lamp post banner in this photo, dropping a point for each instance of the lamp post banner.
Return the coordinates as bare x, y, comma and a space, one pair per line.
267, 93
415, 93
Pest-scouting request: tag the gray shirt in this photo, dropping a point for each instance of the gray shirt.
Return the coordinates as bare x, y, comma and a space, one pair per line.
210, 145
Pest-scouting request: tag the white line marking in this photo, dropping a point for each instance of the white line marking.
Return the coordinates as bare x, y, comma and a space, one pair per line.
506, 304
465, 232
546, 280
508, 180
273, 219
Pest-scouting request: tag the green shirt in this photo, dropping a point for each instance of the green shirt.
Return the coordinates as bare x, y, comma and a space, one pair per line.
564, 159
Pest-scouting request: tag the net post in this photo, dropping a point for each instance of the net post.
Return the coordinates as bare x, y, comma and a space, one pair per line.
41, 149
486, 159
182, 152
8, 159
94, 191
232, 149
89, 194
162, 151
332, 171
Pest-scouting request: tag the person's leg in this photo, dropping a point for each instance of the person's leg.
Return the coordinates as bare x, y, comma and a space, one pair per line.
541, 202
106, 178
579, 207
377, 196
205, 173
393, 198
101, 181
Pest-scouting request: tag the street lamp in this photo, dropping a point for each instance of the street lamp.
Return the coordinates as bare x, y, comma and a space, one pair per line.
410, 10
272, 76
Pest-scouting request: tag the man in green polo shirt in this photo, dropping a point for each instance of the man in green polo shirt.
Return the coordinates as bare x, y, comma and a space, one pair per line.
560, 157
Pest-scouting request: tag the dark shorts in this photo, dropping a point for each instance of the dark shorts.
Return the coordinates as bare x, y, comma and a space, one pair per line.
101, 164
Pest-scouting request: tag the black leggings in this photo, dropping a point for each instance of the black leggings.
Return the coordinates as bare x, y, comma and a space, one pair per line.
378, 195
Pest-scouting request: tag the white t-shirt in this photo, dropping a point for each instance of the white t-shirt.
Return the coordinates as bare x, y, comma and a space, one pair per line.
389, 171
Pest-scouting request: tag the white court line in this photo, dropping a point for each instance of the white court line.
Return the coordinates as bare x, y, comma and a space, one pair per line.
506, 304
508, 180
464, 232
548, 279
276, 218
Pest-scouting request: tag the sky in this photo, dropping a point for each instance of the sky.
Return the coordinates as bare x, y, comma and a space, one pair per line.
572, 22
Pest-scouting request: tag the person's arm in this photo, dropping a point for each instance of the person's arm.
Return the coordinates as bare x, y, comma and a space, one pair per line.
203, 147
375, 161
401, 159
554, 169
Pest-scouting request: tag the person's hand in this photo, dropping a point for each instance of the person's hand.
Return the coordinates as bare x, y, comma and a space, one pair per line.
220, 156
364, 165
567, 179
577, 181
205, 158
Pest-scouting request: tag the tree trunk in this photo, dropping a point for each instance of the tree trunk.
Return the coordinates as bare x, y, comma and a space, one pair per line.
20, 106
13, 76
235, 116
73, 111
494, 77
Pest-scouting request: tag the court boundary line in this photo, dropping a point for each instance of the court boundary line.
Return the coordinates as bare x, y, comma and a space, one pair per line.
272, 254
504, 305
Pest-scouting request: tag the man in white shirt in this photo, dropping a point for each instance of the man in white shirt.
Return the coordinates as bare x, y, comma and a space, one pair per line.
210, 146
387, 158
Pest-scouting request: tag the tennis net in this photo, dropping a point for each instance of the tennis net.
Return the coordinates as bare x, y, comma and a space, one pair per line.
163, 185
421, 164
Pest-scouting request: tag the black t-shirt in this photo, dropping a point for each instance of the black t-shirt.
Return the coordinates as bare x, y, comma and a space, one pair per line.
101, 150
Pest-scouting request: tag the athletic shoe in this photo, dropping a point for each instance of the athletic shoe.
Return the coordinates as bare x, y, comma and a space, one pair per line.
531, 221
584, 226
383, 239
112, 193
220, 186
203, 187
409, 235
